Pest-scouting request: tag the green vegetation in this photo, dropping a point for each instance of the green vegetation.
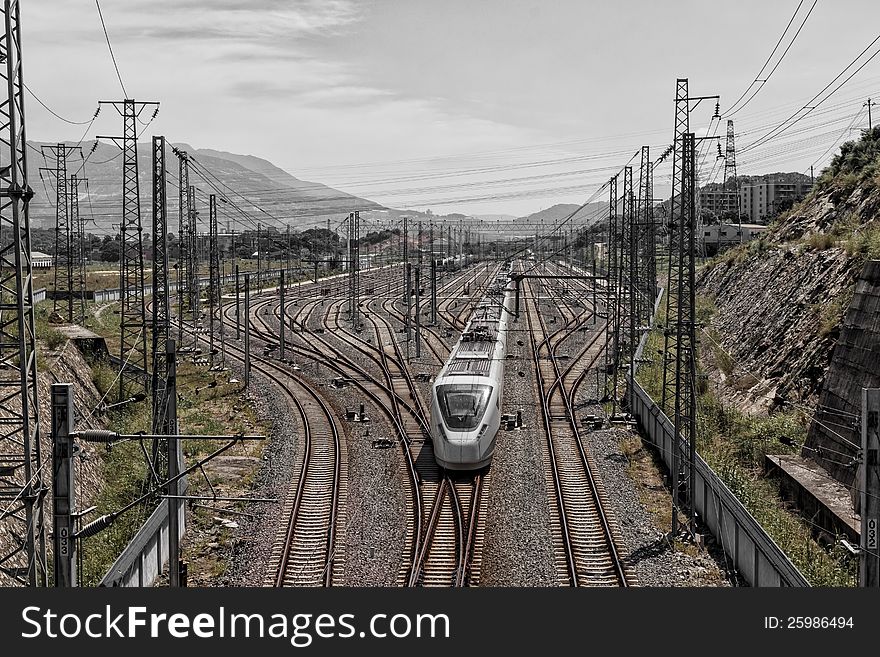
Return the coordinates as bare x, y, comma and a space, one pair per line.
830, 315
865, 243
820, 241
734, 445
857, 163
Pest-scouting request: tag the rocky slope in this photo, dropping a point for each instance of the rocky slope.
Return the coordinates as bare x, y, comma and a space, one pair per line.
779, 302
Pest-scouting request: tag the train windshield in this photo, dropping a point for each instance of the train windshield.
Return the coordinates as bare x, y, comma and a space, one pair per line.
463, 405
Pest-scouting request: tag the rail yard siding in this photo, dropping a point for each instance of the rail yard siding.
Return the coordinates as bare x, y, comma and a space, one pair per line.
756, 556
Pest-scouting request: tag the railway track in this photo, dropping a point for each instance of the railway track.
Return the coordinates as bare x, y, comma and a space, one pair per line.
585, 543
305, 551
446, 522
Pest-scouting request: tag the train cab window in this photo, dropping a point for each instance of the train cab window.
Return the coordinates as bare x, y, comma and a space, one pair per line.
463, 405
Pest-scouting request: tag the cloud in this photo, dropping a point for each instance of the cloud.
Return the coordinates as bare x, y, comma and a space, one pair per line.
254, 22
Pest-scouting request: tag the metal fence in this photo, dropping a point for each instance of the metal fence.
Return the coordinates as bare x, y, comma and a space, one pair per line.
754, 553
144, 558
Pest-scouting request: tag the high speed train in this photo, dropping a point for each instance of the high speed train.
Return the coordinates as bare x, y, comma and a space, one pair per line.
466, 394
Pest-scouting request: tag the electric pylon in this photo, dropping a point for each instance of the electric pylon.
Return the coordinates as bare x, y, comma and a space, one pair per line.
682, 345
611, 344
132, 322
645, 248
353, 266
682, 121
182, 239
63, 279
192, 263
22, 491
213, 272
161, 322
731, 185
78, 246
625, 278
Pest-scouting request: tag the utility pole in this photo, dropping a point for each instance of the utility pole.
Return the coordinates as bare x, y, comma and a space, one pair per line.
63, 487
132, 322
868, 105
175, 487
283, 316
79, 246
259, 256
418, 311
433, 280
213, 272
22, 490
869, 563
247, 330
63, 252
237, 305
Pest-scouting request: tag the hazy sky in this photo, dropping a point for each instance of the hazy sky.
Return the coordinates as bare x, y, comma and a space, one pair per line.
476, 106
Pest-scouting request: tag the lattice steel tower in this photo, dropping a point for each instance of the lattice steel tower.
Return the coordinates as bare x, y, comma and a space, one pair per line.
354, 257
132, 319
611, 344
161, 320
23, 553
78, 246
626, 277
63, 279
731, 185
214, 272
645, 241
192, 261
182, 239
673, 227
682, 345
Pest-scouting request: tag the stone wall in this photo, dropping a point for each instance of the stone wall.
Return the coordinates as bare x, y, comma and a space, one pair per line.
855, 364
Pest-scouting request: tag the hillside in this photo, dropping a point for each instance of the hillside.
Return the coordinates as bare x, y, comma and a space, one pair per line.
591, 213
287, 199
779, 302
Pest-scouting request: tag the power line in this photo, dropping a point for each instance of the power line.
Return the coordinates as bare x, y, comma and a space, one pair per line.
53, 112
758, 79
110, 47
787, 123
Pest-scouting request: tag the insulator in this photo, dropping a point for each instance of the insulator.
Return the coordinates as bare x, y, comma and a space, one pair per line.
96, 526
97, 435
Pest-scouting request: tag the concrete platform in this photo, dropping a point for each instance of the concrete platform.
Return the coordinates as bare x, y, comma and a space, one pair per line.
88, 342
823, 501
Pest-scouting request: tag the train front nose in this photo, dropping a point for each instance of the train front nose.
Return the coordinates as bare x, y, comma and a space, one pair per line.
458, 449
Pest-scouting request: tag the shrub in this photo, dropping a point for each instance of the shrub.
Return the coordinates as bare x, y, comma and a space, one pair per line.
820, 241
54, 338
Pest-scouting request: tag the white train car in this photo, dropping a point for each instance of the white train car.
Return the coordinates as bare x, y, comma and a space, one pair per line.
466, 395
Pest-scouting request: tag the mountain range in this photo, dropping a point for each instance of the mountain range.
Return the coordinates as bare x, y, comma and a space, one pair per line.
252, 189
